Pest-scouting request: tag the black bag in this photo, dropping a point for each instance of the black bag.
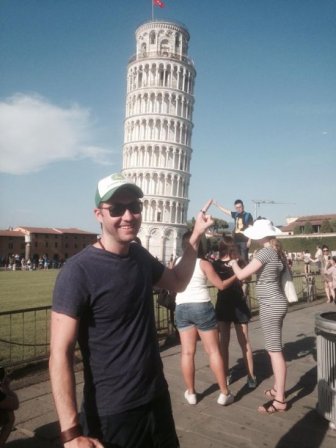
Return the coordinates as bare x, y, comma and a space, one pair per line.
167, 299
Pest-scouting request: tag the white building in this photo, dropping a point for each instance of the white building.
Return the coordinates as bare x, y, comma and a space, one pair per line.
157, 132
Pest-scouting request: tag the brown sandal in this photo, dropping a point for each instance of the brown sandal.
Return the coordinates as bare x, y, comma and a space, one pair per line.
269, 408
269, 393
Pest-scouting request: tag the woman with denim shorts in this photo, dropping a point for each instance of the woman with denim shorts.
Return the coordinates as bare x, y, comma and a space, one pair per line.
195, 315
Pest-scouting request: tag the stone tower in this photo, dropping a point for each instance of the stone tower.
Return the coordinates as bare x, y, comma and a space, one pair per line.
157, 132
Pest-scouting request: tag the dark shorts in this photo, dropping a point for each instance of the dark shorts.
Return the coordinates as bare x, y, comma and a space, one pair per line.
148, 426
199, 315
231, 309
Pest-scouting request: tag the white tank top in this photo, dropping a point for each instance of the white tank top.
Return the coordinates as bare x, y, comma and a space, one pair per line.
197, 290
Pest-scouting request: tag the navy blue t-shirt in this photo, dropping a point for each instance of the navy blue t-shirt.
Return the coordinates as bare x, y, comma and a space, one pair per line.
242, 221
112, 297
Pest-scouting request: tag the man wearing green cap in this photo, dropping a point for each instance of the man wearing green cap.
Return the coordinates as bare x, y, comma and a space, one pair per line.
103, 299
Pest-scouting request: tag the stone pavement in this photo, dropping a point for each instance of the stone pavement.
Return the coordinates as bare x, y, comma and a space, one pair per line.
208, 424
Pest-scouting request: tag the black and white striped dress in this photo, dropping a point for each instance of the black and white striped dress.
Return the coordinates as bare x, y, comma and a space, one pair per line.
272, 301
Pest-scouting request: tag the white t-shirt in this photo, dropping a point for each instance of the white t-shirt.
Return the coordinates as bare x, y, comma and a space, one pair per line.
197, 290
306, 258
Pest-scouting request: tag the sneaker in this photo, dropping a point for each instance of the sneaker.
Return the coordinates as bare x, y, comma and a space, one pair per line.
229, 378
224, 400
251, 382
191, 398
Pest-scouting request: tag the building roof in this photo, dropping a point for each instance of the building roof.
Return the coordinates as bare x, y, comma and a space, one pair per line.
315, 220
22, 231
74, 230
12, 233
29, 230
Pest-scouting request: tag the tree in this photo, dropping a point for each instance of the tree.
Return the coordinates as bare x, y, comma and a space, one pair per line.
326, 227
191, 223
333, 225
297, 230
219, 225
308, 228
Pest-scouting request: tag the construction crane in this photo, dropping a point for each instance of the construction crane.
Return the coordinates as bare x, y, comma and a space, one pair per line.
258, 202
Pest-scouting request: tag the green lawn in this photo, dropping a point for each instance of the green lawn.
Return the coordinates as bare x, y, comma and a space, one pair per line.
26, 289
24, 336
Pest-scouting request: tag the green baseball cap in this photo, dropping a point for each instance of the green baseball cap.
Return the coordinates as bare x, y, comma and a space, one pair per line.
108, 186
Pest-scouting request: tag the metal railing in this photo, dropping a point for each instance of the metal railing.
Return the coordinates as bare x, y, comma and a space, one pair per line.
308, 288
24, 333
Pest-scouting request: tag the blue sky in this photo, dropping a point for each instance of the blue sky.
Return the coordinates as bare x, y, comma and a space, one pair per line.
264, 117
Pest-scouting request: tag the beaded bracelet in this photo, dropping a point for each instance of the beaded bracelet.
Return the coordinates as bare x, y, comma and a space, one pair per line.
71, 433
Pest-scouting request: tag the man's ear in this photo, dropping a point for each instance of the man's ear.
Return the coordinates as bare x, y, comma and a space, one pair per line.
98, 213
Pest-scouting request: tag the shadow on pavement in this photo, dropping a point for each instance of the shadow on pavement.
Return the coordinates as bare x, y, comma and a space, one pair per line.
308, 432
263, 370
300, 348
45, 437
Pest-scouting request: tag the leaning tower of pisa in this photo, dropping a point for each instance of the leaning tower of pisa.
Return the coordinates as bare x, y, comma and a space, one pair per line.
157, 134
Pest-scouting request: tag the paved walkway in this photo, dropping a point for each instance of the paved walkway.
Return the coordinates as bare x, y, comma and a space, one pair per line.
208, 424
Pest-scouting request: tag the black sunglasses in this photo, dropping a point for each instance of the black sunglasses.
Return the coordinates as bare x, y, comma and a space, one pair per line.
117, 210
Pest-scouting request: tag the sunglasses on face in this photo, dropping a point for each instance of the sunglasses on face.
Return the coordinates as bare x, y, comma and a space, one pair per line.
117, 210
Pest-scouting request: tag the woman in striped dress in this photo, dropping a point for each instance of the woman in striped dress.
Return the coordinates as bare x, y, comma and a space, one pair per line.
268, 264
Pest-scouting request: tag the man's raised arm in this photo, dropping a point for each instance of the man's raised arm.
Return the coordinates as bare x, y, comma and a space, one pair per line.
177, 279
223, 209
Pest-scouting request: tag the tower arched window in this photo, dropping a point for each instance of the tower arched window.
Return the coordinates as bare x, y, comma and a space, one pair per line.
161, 77
164, 47
159, 103
143, 49
166, 104
177, 42
152, 37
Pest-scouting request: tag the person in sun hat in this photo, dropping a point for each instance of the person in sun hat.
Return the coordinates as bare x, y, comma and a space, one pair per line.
268, 264
103, 299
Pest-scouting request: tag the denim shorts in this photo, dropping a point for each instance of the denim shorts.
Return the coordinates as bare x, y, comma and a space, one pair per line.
200, 315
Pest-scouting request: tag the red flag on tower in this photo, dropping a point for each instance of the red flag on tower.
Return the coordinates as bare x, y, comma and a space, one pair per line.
158, 3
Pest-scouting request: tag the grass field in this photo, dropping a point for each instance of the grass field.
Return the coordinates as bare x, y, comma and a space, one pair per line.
29, 289
24, 335
26, 289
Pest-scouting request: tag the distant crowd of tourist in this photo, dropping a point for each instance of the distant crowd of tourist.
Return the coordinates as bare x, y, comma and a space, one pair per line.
16, 262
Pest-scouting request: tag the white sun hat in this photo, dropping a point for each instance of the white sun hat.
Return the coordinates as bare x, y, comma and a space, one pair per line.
260, 229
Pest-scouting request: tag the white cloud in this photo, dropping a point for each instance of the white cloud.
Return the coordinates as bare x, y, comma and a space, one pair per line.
35, 133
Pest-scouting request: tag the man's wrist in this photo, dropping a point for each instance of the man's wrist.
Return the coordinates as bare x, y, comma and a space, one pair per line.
71, 433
